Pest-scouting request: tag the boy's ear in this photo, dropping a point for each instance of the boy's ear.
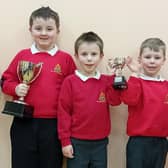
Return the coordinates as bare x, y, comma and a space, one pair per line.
139, 59
165, 57
58, 31
164, 60
102, 55
76, 55
30, 29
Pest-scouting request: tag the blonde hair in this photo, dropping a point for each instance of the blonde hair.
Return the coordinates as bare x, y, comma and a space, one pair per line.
154, 44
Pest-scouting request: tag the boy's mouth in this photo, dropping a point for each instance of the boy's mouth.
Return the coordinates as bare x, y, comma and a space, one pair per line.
89, 64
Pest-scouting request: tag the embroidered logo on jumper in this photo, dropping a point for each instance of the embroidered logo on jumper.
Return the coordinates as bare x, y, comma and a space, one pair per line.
166, 99
102, 97
57, 69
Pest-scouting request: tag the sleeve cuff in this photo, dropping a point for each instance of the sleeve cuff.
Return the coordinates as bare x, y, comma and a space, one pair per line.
133, 79
65, 142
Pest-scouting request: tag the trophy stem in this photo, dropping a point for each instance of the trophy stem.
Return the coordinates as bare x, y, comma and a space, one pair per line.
20, 101
119, 72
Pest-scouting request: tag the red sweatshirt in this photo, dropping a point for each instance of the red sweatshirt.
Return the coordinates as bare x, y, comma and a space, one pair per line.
148, 107
83, 110
44, 90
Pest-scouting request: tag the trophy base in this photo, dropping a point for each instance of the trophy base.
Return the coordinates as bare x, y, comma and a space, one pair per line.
120, 83
18, 109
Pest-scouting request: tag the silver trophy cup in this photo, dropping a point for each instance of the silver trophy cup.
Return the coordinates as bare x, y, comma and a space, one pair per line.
119, 80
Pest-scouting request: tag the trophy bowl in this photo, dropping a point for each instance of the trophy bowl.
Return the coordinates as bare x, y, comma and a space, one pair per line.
27, 72
119, 80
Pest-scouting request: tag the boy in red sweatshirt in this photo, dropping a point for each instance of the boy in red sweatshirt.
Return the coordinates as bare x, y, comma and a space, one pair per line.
34, 141
147, 100
83, 111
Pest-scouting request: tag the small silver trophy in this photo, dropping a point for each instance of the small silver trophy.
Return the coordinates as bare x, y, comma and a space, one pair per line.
119, 80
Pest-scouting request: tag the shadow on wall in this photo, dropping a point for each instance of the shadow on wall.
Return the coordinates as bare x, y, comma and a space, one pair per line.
5, 123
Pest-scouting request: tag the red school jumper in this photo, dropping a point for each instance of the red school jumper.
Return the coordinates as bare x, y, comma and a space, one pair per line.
83, 110
44, 90
147, 102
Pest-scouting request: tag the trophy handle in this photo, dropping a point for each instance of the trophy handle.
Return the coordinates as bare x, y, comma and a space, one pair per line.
39, 67
18, 66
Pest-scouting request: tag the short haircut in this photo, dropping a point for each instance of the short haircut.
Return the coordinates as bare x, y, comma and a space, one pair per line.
154, 44
45, 13
89, 37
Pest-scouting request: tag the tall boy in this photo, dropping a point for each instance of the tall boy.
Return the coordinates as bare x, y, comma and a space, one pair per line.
83, 110
35, 141
147, 100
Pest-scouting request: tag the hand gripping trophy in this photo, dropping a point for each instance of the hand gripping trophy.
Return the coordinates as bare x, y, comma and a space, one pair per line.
119, 80
27, 73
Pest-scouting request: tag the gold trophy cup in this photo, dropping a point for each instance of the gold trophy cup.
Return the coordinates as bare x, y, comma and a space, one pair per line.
119, 80
27, 73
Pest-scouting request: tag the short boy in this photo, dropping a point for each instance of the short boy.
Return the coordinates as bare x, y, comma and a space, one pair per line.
83, 111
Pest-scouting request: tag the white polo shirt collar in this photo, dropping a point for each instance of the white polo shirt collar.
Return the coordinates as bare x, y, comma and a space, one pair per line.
145, 77
85, 78
51, 52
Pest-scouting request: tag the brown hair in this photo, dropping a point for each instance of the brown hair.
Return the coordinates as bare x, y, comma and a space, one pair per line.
45, 13
89, 37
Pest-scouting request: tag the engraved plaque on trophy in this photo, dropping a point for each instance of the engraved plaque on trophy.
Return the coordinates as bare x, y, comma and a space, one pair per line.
27, 73
119, 80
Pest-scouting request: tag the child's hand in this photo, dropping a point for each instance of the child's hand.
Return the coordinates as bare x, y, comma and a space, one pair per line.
68, 151
133, 65
111, 69
21, 89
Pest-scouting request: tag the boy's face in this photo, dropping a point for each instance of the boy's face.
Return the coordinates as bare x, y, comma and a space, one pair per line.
88, 57
151, 61
44, 33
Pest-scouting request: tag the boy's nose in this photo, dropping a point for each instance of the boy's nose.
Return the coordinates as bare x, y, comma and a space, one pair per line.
152, 60
89, 57
43, 32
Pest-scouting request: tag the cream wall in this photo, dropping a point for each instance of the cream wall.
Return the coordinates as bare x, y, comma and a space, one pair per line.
123, 25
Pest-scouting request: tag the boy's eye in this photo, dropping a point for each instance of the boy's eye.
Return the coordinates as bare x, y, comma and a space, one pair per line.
94, 53
147, 56
49, 28
38, 28
84, 54
158, 57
